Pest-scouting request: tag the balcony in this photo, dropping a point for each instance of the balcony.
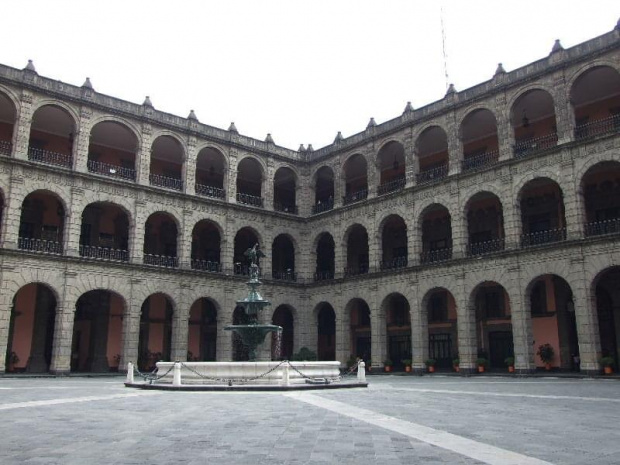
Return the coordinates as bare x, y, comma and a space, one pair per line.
247, 199
355, 197
206, 265
393, 264
240, 269
355, 270
210, 191
111, 170
104, 253
163, 181
282, 207
433, 256
543, 237
161, 260
392, 186
50, 158
601, 228
5, 147
288, 275
532, 146
482, 248
324, 275
39, 245
321, 207
433, 174
477, 162
598, 128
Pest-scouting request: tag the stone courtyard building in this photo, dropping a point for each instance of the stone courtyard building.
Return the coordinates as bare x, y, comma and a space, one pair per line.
482, 225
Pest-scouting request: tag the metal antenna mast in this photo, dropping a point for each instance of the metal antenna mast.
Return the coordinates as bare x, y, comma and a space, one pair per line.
443, 43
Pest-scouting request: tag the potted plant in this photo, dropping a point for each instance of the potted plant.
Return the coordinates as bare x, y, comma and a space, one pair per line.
12, 361
430, 365
608, 365
387, 365
407, 363
546, 354
482, 364
456, 365
352, 361
510, 363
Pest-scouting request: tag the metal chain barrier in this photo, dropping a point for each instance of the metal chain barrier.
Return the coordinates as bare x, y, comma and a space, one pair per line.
150, 377
230, 381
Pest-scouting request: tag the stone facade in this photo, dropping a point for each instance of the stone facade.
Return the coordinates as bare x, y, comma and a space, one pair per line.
579, 258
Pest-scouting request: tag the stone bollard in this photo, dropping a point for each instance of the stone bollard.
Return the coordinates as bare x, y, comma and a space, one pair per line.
176, 374
129, 373
361, 371
286, 376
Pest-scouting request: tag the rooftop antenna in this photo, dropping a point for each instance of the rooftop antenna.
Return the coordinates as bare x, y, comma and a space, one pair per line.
443, 44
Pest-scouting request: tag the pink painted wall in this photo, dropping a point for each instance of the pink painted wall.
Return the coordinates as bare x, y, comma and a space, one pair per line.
545, 330
193, 343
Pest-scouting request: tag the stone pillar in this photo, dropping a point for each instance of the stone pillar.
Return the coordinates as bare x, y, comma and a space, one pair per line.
143, 159
340, 256
223, 345
23, 122
505, 133
378, 332
189, 167
6, 310
586, 317
343, 337
185, 239
73, 224
42, 318
131, 332
12, 212
373, 169
136, 246
267, 190
466, 329
563, 111
81, 141
522, 336
512, 223
227, 247
414, 241
460, 234
418, 315
374, 251
232, 177
455, 145
63, 330
180, 326
573, 213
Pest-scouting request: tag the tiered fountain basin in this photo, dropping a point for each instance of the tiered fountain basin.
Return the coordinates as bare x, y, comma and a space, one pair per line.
248, 376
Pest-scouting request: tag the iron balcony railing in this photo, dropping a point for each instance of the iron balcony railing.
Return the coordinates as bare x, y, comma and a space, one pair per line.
104, 253
543, 237
161, 260
164, 181
287, 275
248, 199
210, 191
51, 158
477, 162
283, 207
600, 228
321, 207
323, 275
355, 197
392, 186
111, 170
527, 147
39, 245
394, 263
482, 248
206, 265
438, 255
5, 147
355, 270
432, 174
598, 127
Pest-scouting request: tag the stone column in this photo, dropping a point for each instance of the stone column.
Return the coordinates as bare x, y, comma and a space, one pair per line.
466, 329
455, 145
378, 332
42, 318
136, 246
522, 336
505, 133
143, 158
223, 347
343, 337
23, 122
563, 111
373, 175
131, 332
586, 317
573, 213
12, 213
512, 223
63, 330
189, 167
459, 227
180, 326
81, 141
414, 241
73, 224
185, 239
267, 190
374, 251
231, 190
419, 332
227, 247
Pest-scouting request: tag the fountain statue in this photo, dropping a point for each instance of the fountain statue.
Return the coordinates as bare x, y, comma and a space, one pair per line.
251, 374
253, 334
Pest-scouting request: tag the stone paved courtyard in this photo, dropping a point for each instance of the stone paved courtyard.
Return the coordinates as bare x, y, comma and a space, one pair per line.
408, 420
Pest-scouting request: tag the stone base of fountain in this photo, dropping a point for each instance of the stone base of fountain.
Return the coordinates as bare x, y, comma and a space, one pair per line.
247, 376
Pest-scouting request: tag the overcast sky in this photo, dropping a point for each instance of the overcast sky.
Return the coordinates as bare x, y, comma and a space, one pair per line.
301, 70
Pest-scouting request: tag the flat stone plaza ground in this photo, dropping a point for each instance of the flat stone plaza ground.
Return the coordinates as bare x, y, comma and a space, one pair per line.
397, 420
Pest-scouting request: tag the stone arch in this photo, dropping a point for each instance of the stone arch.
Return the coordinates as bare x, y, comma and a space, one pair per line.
173, 135
128, 124
73, 113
